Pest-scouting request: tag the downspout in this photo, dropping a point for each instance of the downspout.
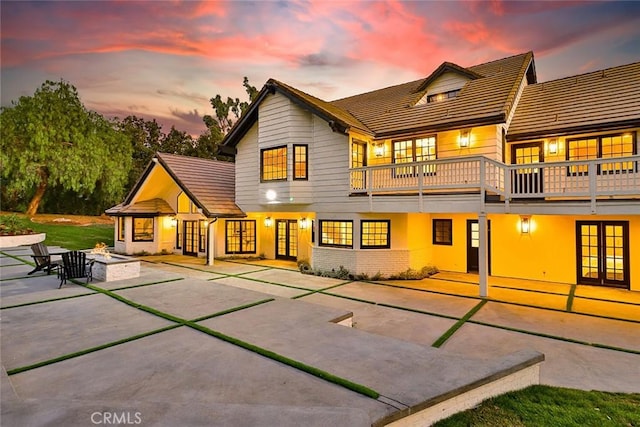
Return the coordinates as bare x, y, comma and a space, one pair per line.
211, 244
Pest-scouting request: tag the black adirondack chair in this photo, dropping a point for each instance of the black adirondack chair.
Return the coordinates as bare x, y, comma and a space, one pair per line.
42, 259
74, 266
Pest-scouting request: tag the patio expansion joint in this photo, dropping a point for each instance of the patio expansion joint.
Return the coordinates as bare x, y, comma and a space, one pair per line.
322, 290
453, 329
324, 375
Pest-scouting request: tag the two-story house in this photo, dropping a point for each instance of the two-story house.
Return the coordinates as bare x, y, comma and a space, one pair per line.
477, 169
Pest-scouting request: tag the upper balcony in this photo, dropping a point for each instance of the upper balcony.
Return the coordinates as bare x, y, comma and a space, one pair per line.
587, 180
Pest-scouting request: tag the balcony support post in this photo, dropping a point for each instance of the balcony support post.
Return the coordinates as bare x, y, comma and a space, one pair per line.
483, 259
593, 184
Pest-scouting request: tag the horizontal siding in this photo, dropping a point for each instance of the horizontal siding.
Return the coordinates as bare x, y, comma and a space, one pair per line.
447, 82
248, 170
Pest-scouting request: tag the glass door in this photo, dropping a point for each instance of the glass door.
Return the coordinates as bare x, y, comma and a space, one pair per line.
602, 249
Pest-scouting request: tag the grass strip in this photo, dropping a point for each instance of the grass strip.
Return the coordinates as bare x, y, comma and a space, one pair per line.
343, 382
231, 310
358, 388
572, 293
536, 291
452, 330
555, 337
46, 301
322, 290
89, 350
148, 284
270, 267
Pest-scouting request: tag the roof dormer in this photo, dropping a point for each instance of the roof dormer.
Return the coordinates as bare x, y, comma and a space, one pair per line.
444, 83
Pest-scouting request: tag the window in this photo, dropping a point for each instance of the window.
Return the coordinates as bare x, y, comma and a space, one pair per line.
142, 229
601, 147
300, 164
415, 150
442, 232
178, 234
240, 237
120, 229
375, 234
336, 233
202, 241
273, 164
438, 97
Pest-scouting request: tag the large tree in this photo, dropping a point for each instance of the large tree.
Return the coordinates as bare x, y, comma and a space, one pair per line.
226, 114
51, 139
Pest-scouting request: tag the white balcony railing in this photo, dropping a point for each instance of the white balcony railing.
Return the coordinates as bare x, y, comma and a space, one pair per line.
586, 179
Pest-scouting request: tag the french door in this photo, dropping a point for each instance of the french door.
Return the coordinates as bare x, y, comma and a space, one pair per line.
190, 238
528, 179
473, 246
286, 239
602, 249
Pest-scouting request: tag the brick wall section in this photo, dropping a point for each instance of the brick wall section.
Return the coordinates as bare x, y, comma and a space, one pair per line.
367, 261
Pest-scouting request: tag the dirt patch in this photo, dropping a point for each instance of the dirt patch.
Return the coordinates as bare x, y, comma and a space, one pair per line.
62, 219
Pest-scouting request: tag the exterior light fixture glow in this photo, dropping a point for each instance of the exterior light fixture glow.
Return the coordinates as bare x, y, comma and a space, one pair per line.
553, 146
271, 195
525, 224
268, 221
465, 137
378, 150
174, 221
303, 223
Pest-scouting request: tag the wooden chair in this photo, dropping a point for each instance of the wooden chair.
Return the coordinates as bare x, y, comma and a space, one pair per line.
42, 259
74, 266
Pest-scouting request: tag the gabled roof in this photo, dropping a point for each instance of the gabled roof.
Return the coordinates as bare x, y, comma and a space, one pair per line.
605, 99
486, 98
448, 67
210, 184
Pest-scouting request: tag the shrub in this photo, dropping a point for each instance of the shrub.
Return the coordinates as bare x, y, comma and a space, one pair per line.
13, 225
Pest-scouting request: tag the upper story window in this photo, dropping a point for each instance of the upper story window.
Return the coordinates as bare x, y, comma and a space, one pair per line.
415, 150
273, 164
336, 233
300, 162
601, 147
437, 97
142, 229
375, 234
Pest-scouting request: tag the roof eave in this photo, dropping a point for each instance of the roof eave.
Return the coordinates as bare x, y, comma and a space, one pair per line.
576, 129
439, 127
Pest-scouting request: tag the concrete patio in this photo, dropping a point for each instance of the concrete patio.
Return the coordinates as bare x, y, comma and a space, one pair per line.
68, 354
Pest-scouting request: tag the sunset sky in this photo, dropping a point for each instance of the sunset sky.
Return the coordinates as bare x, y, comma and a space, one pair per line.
166, 59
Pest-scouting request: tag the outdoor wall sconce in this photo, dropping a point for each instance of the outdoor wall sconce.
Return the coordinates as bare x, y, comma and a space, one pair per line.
268, 221
465, 136
553, 146
525, 224
303, 223
174, 222
378, 150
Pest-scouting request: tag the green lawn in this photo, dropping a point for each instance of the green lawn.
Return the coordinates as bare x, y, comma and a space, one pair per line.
72, 237
552, 406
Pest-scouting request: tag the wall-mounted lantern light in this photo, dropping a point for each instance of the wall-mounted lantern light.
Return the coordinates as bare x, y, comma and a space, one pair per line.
465, 137
553, 146
378, 150
268, 222
271, 195
174, 221
525, 224
303, 223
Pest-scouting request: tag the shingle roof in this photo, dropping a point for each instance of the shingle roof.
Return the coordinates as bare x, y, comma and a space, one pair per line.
210, 184
481, 100
609, 98
486, 98
153, 207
